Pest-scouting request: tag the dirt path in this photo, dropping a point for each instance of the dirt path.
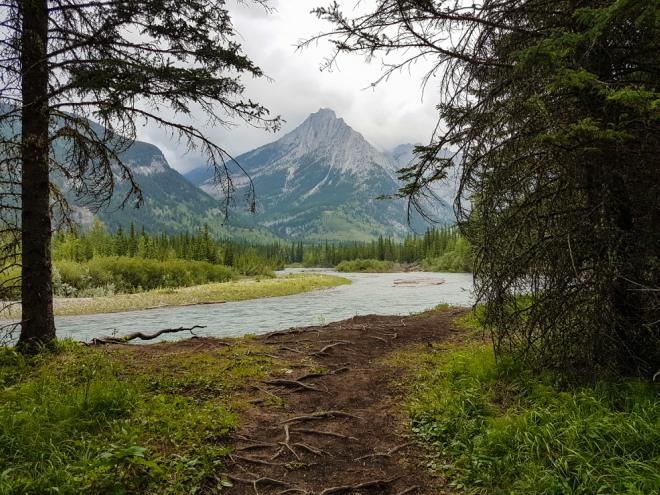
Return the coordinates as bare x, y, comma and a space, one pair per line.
331, 422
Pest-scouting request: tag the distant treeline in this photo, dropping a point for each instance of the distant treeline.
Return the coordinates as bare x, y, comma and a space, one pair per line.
438, 249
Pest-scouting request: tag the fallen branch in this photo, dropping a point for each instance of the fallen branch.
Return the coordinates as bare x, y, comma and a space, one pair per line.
143, 336
319, 415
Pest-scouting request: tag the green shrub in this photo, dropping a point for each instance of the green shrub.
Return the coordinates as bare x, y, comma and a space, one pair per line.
125, 274
252, 265
502, 431
365, 266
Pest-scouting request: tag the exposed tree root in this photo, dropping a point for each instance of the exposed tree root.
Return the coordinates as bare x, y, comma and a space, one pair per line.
143, 336
389, 453
359, 486
377, 338
257, 481
325, 349
409, 490
286, 445
292, 331
318, 375
319, 415
264, 354
290, 349
257, 446
260, 389
325, 433
292, 384
312, 450
255, 460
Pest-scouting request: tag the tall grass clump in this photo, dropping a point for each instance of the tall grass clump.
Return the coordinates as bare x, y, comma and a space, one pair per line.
64, 427
500, 430
126, 275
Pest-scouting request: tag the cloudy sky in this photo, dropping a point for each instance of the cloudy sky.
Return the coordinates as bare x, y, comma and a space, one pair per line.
393, 113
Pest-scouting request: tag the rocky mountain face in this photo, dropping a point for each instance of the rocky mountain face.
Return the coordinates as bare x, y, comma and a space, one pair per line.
446, 190
323, 180
171, 202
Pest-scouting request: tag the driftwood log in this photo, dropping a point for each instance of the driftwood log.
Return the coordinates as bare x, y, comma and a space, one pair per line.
142, 336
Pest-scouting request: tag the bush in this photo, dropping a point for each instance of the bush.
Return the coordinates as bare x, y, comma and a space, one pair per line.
502, 431
456, 258
252, 265
105, 275
365, 266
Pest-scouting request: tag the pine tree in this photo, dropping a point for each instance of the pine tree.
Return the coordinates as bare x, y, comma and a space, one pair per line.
551, 109
68, 61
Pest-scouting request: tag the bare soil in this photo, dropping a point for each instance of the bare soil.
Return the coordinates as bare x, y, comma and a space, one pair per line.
332, 421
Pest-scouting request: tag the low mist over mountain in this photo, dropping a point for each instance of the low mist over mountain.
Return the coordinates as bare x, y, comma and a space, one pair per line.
323, 181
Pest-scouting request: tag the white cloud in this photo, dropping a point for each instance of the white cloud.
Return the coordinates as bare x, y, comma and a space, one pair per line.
387, 115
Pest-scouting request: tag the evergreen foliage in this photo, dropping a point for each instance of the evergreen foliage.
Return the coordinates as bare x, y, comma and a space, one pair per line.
439, 248
552, 111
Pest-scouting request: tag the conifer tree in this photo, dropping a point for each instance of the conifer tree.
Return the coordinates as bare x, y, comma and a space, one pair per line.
119, 63
551, 109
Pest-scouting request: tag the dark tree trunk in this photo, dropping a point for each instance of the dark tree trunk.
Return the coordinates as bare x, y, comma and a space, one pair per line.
38, 326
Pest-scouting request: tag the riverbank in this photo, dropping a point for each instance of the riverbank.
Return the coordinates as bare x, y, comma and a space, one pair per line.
369, 404
188, 296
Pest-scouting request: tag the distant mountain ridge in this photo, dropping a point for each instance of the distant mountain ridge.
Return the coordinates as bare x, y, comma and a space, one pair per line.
171, 203
320, 181
323, 180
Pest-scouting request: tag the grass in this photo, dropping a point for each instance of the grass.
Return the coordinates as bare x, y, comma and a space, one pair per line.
497, 429
200, 294
124, 420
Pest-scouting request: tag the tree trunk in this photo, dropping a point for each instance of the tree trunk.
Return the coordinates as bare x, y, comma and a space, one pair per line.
38, 326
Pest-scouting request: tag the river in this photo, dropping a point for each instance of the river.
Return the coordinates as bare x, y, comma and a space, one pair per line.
369, 293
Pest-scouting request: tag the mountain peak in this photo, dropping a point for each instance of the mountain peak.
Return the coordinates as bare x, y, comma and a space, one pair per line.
324, 121
324, 113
